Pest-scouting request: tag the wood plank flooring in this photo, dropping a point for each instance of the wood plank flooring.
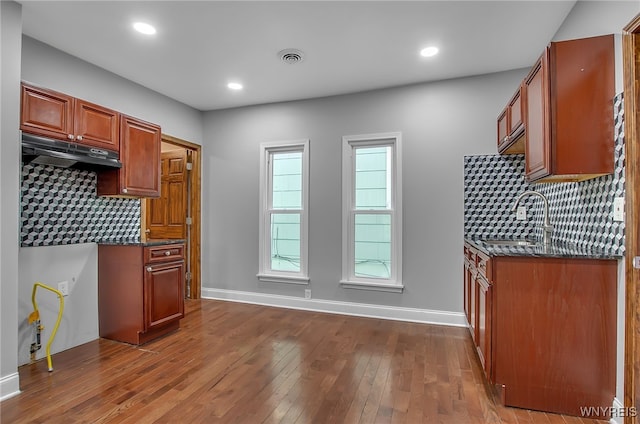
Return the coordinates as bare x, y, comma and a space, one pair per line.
239, 363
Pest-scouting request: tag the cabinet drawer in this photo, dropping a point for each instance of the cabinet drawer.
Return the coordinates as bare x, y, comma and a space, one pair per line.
164, 253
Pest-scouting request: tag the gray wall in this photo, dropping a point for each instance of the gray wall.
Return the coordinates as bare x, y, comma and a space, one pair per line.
440, 123
10, 44
78, 265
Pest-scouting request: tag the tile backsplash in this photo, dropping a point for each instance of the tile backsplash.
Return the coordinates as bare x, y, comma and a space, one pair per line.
60, 206
581, 212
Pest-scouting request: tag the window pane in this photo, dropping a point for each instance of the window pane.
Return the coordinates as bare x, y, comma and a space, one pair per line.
286, 180
373, 177
373, 246
285, 242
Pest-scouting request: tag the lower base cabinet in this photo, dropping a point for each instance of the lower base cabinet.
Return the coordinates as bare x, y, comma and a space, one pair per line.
544, 329
140, 291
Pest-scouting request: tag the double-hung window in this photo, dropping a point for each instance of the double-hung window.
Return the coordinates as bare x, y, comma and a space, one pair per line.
372, 212
284, 200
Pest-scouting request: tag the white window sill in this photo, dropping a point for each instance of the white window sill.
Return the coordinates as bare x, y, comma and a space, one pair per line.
287, 279
366, 285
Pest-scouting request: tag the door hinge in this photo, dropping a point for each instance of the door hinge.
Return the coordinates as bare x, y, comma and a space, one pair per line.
189, 221
189, 166
636, 262
187, 276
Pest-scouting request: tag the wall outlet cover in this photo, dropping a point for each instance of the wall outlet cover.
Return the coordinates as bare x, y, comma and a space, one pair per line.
618, 209
521, 213
63, 287
307, 293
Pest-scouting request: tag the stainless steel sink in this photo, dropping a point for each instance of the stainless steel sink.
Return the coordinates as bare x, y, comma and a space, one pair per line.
510, 242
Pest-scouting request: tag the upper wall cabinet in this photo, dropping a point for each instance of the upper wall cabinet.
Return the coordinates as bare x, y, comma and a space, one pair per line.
140, 156
57, 115
511, 126
568, 103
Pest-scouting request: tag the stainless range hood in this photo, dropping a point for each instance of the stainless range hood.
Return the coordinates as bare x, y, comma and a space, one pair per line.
47, 151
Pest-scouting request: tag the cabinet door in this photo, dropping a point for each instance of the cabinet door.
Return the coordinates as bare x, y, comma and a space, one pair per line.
537, 145
163, 294
140, 155
96, 126
467, 290
484, 324
515, 113
46, 112
503, 129
473, 304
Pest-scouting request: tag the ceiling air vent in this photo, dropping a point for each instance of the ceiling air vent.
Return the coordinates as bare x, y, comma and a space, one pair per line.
291, 55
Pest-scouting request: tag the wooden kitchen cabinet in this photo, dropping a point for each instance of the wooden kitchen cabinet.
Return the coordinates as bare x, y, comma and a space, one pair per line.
468, 279
545, 329
477, 291
511, 126
140, 156
140, 291
484, 321
57, 115
568, 111
503, 129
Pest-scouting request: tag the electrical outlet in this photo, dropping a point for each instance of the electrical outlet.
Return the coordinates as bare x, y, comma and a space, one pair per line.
63, 287
521, 213
307, 293
618, 209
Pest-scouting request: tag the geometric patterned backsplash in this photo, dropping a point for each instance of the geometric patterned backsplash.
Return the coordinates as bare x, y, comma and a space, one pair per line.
581, 212
60, 206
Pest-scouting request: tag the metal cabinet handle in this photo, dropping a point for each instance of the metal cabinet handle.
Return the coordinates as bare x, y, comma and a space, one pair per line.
71, 137
124, 190
167, 253
79, 138
149, 269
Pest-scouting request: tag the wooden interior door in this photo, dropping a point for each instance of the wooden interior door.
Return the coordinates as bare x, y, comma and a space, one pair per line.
167, 215
631, 47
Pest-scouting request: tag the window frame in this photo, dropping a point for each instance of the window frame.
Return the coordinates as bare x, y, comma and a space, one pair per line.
349, 279
265, 272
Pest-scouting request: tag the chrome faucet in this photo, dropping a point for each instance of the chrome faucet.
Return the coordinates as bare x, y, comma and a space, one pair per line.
547, 228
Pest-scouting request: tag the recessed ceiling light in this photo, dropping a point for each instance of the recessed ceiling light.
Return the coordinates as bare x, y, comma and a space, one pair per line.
234, 86
429, 51
144, 28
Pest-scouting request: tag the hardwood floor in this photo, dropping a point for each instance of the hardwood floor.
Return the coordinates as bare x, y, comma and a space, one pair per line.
238, 363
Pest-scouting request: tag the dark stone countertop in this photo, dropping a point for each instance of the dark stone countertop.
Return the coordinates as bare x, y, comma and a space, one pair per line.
119, 242
555, 250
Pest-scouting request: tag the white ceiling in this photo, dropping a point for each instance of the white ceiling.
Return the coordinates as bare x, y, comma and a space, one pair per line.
349, 46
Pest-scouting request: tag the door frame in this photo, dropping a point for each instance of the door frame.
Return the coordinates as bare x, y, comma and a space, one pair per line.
196, 212
631, 66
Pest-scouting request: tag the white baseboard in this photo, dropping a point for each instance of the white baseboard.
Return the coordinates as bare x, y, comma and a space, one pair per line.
456, 319
9, 386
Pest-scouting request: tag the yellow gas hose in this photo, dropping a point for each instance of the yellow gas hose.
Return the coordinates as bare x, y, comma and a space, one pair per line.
55, 328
